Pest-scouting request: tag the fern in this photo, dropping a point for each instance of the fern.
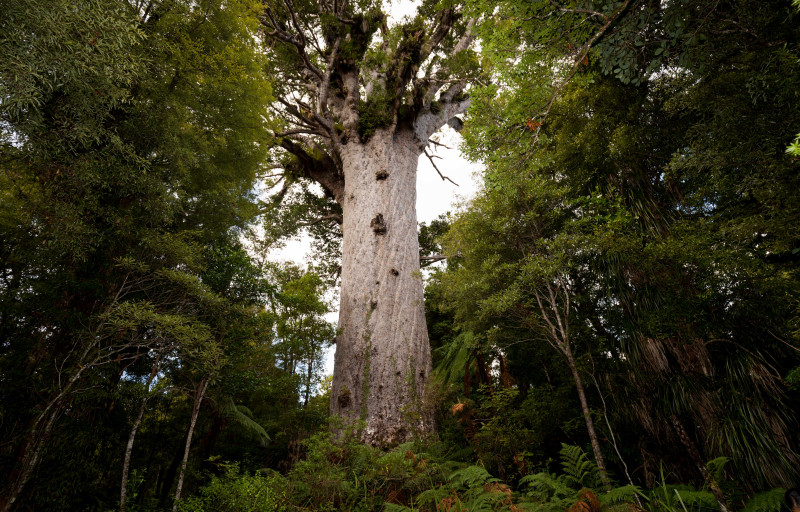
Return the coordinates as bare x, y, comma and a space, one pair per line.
623, 494
577, 466
471, 476
477, 500
434, 496
717, 468
769, 501
697, 500
546, 486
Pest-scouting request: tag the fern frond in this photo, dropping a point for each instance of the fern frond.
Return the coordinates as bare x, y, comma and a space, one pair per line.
702, 500
545, 485
434, 496
471, 476
480, 502
717, 468
769, 501
623, 494
243, 417
394, 507
577, 466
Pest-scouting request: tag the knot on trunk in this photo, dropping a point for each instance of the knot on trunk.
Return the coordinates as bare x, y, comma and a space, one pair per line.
378, 225
381, 175
344, 399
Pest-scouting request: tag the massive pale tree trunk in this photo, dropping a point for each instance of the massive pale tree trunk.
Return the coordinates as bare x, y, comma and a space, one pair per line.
360, 101
383, 356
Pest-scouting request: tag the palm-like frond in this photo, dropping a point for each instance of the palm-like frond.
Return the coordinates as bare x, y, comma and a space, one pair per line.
242, 416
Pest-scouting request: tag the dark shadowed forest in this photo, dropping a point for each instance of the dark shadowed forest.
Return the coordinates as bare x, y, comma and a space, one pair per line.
611, 323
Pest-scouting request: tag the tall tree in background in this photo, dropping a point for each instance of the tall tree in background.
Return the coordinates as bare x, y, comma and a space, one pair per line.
360, 101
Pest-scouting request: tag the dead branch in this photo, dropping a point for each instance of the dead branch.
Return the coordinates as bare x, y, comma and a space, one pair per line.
431, 157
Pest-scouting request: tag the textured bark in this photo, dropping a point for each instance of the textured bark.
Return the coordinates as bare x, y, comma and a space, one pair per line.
357, 127
694, 454
383, 355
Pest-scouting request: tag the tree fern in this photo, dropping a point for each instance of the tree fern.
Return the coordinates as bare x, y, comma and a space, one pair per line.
243, 417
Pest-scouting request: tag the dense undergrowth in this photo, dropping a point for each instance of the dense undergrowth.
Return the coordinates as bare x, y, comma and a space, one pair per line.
349, 476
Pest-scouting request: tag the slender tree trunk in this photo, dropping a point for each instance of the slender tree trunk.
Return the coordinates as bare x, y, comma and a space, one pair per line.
198, 399
555, 308
587, 416
123, 492
39, 433
694, 454
31, 455
382, 352
309, 376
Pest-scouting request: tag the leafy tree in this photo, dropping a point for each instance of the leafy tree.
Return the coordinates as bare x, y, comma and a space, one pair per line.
658, 146
121, 139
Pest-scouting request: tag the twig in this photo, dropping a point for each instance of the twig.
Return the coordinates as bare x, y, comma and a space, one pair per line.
430, 157
438, 144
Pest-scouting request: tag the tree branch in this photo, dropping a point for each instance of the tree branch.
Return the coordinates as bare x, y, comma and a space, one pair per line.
321, 169
582, 54
282, 35
431, 157
426, 261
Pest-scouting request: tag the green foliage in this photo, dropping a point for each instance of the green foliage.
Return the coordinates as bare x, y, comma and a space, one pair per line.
768, 501
233, 491
628, 192
577, 467
794, 147
374, 113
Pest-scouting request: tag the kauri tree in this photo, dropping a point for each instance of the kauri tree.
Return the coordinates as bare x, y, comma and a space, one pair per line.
360, 101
